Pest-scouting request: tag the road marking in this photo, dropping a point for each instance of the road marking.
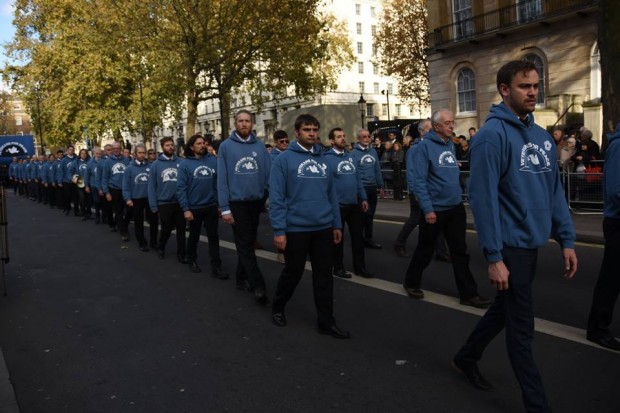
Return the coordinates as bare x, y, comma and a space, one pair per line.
551, 328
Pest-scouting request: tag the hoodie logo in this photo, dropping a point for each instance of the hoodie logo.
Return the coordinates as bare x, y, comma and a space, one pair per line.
311, 169
118, 168
141, 178
367, 160
345, 167
547, 146
169, 175
82, 167
203, 172
446, 159
534, 159
246, 165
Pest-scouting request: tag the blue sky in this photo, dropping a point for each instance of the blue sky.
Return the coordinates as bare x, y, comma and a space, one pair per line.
6, 26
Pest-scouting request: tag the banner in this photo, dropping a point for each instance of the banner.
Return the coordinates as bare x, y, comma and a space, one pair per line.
19, 146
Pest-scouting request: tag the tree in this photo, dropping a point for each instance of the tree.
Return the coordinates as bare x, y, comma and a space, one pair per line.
7, 119
401, 42
609, 46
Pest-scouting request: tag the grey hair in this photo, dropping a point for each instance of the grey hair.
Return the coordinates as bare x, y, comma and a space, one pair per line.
586, 134
436, 114
138, 145
422, 125
360, 131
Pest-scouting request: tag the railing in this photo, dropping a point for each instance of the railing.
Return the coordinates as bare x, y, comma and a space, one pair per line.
522, 12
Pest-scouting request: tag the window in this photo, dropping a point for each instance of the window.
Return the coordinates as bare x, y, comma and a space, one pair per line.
390, 88
375, 69
374, 50
466, 90
358, 28
384, 109
362, 87
464, 25
373, 12
529, 10
375, 87
18, 121
540, 68
360, 68
358, 9
397, 106
373, 29
370, 109
595, 72
360, 47
16, 106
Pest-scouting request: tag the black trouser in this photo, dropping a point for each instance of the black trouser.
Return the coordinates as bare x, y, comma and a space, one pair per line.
415, 214
60, 196
15, 183
121, 218
246, 215
41, 194
139, 210
96, 201
352, 215
318, 245
452, 223
106, 211
171, 217
512, 310
85, 202
369, 215
51, 195
70, 196
209, 217
608, 284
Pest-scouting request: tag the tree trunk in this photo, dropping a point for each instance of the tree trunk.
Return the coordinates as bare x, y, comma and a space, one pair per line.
609, 46
225, 112
192, 112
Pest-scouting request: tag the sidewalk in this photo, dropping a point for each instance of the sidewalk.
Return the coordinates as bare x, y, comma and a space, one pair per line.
589, 228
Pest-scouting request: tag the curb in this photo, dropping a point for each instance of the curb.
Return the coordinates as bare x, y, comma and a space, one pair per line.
8, 402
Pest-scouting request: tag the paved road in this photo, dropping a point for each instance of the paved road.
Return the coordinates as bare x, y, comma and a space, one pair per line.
92, 324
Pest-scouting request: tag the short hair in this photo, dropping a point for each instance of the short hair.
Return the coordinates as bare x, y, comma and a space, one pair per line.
138, 145
60, 151
332, 133
187, 149
422, 125
239, 112
306, 119
165, 139
279, 134
586, 134
107, 145
436, 114
472, 128
70, 146
365, 130
507, 72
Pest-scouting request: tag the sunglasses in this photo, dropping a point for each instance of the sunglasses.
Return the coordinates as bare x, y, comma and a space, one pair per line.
283, 141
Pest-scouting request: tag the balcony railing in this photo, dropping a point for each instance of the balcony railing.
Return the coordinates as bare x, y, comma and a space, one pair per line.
522, 12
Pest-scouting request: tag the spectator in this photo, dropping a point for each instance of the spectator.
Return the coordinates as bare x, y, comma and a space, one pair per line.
472, 132
397, 161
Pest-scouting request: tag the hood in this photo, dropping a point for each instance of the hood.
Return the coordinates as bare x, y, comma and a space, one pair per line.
502, 112
234, 137
316, 149
162, 158
433, 137
332, 152
615, 135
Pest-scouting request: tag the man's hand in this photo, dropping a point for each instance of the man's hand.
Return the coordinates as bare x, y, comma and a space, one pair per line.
87, 190
364, 206
498, 275
129, 203
100, 192
188, 215
337, 236
381, 193
108, 197
279, 241
570, 262
229, 219
430, 218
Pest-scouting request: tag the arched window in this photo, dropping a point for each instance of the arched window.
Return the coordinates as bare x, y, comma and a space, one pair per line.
466, 90
540, 68
595, 73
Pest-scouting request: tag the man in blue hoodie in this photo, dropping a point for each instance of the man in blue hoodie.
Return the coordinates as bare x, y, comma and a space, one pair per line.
135, 194
242, 176
68, 167
197, 194
163, 199
352, 201
281, 140
92, 184
305, 216
608, 284
518, 201
437, 188
112, 173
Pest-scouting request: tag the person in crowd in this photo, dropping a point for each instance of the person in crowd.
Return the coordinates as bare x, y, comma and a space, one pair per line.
136, 195
107, 216
92, 185
13, 174
397, 162
151, 156
559, 140
41, 193
243, 167
60, 199
305, 217
127, 153
83, 196
352, 201
566, 155
587, 149
377, 145
112, 186
48, 180
197, 195
281, 140
608, 283
68, 166
437, 188
367, 163
462, 157
162, 194
509, 156
472, 132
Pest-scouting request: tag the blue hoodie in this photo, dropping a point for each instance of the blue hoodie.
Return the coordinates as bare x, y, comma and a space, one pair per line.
58, 171
197, 185
48, 172
112, 173
409, 165
92, 175
274, 154
136, 180
349, 188
367, 163
163, 181
302, 194
68, 167
436, 174
82, 168
611, 177
515, 191
242, 170
41, 170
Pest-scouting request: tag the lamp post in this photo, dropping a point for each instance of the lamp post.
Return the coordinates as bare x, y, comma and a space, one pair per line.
387, 97
362, 106
37, 91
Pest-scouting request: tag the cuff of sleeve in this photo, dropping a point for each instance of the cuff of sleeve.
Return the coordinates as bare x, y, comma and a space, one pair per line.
567, 244
279, 232
225, 211
493, 256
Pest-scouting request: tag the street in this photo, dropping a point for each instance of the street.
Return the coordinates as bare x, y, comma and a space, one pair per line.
91, 324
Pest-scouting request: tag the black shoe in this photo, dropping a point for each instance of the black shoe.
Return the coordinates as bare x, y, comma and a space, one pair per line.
193, 267
416, 293
371, 244
181, 257
153, 245
242, 285
334, 331
260, 296
476, 301
219, 273
472, 374
400, 251
113, 229
278, 319
341, 273
85, 218
144, 248
67, 212
125, 238
363, 272
161, 254
443, 258
605, 340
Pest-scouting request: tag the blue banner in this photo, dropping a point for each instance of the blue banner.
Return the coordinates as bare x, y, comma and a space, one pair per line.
19, 146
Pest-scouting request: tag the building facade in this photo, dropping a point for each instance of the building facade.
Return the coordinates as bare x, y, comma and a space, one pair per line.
469, 40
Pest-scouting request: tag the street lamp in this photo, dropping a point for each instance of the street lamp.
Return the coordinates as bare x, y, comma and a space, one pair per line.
386, 92
362, 106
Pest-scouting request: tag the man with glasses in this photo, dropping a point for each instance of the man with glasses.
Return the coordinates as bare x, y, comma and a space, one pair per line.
280, 137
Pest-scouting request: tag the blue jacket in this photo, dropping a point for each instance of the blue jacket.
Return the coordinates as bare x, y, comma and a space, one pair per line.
436, 174
515, 191
82, 168
28, 171
48, 172
91, 179
302, 194
611, 177
163, 181
349, 188
136, 180
197, 185
68, 167
112, 172
242, 170
13, 170
274, 154
367, 163
58, 170
41, 170
409, 165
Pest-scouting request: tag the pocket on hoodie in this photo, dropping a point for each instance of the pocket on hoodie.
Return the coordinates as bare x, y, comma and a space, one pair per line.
309, 213
533, 230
